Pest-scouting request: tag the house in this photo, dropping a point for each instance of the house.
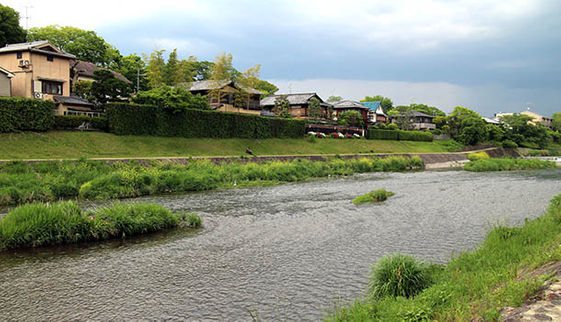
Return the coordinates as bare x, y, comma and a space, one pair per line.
376, 113
298, 104
537, 118
419, 121
84, 71
5, 82
347, 105
491, 121
221, 95
42, 71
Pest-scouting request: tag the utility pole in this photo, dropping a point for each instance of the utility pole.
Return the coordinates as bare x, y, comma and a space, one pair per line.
138, 75
27, 17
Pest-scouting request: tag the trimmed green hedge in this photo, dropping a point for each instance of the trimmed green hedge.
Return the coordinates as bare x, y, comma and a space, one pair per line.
376, 134
25, 114
134, 119
65, 122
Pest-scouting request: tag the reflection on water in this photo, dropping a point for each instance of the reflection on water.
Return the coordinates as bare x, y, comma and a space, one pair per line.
282, 252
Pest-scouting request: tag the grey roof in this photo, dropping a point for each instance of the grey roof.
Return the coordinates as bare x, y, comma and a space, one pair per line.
36, 46
71, 100
293, 99
8, 74
348, 104
87, 69
415, 113
207, 85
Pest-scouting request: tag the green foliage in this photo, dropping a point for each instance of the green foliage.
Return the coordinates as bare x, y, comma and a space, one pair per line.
266, 87
556, 123
86, 45
350, 118
134, 69
25, 114
223, 69
83, 89
472, 131
430, 110
334, 98
378, 195
385, 102
11, 31
282, 107
24, 182
509, 144
108, 88
377, 134
68, 122
481, 165
130, 119
188, 220
38, 224
173, 99
398, 275
477, 156
314, 109
524, 134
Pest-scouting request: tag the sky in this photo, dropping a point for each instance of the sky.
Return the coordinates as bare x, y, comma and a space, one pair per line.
490, 56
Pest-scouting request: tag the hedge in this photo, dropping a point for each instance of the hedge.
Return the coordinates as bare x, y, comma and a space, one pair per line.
134, 119
25, 114
66, 122
376, 134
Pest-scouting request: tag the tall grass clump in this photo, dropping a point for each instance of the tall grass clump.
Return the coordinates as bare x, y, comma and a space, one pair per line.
475, 285
64, 222
507, 164
378, 195
477, 156
398, 275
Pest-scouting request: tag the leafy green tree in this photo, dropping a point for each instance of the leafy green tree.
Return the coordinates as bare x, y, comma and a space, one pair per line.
83, 89
350, 118
495, 132
405, 120
172, 73
333, 98
314, 108
386, 102
430, 110
134, 69
173, 98
86, 45
455, 119
524, 134
10, 30
556, 124
266, 87
223, 69
282, 107
202, 70
472, 131
155, 68
108, 88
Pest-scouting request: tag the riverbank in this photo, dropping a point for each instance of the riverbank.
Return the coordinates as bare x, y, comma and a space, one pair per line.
477, 284
65, 145
36, 225
24, 182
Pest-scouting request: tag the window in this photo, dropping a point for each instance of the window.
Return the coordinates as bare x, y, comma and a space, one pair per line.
18, 55
49, 87
50, 58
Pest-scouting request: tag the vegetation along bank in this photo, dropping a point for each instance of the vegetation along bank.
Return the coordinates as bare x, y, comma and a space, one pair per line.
473, 286
22, 182
64, 222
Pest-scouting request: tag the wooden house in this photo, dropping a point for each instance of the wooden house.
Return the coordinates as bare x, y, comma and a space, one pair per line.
298, 104
222, 94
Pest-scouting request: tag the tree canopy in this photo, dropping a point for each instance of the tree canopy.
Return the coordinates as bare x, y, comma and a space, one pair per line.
107, 87
173, 98
86, 45
556, 124
350, 118
430, 110
10, 30
333, 98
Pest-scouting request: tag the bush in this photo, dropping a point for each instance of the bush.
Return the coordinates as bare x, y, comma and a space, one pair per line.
398, 275
378, 195
376, 134
509, 144
68, 122
25, 114
506, 164
477, 156
131, 119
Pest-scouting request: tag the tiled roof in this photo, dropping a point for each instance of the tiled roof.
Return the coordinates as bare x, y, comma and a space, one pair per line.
36, 46
72, 100
207, 85
348, 104
293, 99
415, 113
83, 68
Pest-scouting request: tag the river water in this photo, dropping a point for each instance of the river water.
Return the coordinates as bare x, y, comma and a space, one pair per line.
282, 252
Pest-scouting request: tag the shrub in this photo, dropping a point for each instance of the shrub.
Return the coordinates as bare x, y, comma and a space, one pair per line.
509, 144
25, 114
132, 119
376, 134
507, 164
398, 275
477, 156
189, 220
67, 122
378, 195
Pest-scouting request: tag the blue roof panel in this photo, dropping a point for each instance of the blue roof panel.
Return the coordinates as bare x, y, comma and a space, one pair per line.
371, 105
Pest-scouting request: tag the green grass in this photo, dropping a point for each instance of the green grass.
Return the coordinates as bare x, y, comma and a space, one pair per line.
61, 145
40, 224
475, 284
378, 195
22, 182
507, 164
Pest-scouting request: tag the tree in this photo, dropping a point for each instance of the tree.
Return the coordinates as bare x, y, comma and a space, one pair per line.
86, 45
282, 107
556, 124
314, 108
350, 118
473, 130
134, 69
405, 120
155, 66
386, 102
172, 73
172, 98
10, 30
202, 70
334, 98
266, 87
430, 110
222, 69
108, 88
523, 133
83, 89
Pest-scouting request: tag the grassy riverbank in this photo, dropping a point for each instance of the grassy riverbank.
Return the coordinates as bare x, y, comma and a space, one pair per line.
61, 145
507, 164
22, 182
39, 224
474, 284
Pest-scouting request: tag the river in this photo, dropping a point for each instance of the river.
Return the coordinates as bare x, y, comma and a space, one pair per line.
281, 252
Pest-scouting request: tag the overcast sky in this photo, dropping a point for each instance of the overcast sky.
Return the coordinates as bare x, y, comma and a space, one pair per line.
490, 56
